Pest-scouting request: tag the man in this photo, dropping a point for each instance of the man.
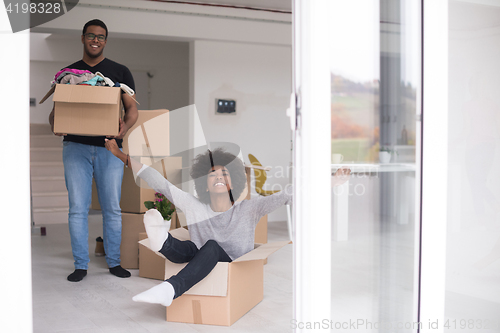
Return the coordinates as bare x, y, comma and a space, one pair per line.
85, 157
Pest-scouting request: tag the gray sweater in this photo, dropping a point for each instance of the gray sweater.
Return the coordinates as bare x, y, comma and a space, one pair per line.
233, 230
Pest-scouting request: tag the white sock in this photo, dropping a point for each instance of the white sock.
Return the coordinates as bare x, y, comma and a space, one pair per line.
161, 294
156, 228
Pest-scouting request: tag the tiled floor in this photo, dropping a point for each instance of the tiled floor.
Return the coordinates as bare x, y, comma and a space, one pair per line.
103, 302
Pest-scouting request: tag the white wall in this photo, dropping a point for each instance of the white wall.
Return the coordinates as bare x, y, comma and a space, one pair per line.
167, 61
259, 78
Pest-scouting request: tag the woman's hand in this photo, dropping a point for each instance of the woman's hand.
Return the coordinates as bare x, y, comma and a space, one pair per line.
112, 146
341, 176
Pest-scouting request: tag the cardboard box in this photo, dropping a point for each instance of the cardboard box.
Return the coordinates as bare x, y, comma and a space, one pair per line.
222, 297
152, 266
132, 226
150, 135
261, 231
133, 195
86, 110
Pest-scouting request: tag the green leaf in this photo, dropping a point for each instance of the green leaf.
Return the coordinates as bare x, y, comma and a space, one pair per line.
149, 204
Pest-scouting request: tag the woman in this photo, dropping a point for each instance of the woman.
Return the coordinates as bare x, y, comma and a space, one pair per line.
220, 229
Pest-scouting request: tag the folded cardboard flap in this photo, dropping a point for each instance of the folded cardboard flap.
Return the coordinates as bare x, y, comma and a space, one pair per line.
145, 242
47, 95
262, 252
75, 94
180, 234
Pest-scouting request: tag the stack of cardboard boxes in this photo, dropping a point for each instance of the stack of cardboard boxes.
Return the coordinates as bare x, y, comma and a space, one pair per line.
134, 194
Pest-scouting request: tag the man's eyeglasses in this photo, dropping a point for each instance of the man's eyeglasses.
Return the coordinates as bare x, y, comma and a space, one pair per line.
91, 36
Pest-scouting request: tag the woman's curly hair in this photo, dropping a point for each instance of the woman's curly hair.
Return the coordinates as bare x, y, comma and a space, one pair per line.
203, 163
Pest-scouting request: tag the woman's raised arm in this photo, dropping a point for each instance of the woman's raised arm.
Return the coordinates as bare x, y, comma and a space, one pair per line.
154, 179
112, 146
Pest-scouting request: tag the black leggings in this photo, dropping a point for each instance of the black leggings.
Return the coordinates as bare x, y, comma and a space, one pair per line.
200, 262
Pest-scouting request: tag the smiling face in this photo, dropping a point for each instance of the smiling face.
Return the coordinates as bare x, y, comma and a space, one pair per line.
218, 180
93, 48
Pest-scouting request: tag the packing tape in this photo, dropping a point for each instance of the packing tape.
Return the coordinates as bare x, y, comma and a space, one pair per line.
197, 312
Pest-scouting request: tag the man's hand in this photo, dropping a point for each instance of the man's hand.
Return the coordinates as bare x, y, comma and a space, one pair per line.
341, 176
112, 146
123, 131
131, 115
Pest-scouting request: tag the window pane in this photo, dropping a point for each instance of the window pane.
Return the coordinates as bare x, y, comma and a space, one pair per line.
375, 73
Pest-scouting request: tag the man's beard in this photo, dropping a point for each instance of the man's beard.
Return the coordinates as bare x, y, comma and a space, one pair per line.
94, 55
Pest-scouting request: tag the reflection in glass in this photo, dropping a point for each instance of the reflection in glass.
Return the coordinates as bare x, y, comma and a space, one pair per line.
375, 66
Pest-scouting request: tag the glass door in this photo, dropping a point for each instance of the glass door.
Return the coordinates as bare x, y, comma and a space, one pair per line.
358, 86
375, 88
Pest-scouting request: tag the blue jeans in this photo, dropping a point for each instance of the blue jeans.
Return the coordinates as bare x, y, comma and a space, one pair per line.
81, 164
200, 262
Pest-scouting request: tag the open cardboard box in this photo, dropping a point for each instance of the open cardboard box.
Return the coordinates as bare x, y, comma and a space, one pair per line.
226, 294
151, 265
86, 110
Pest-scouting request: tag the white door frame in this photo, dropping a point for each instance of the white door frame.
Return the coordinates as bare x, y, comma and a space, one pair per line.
312, 185
15, 248
434, 164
